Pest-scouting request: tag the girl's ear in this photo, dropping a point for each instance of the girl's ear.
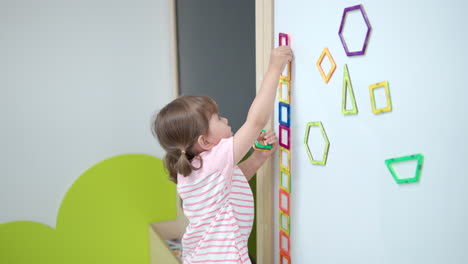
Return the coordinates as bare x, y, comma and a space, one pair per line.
204, 143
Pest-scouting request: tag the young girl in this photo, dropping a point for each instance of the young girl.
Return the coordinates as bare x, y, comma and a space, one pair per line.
201, 158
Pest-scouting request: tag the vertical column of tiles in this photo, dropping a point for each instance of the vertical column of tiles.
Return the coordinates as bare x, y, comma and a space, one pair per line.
284, 115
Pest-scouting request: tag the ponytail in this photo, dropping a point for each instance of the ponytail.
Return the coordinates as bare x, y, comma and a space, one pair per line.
178, 161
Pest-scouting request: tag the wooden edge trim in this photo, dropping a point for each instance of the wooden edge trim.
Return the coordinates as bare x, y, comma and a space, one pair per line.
265, 199
174, 50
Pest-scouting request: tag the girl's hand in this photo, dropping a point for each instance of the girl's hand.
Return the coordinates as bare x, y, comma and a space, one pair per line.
279, 57
268, 138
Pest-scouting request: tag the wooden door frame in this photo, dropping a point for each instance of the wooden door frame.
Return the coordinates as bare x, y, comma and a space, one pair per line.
264, 42
174, 47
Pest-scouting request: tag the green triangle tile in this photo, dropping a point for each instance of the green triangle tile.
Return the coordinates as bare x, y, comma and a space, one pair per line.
348, 91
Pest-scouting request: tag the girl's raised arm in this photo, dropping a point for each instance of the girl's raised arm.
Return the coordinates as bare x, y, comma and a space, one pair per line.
262, 106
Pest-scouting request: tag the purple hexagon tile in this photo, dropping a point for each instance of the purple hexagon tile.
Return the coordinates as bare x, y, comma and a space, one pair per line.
340, 32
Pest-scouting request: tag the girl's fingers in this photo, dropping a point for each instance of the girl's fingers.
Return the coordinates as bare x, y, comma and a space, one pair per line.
272, 140
269, 134
284, 48
269, 137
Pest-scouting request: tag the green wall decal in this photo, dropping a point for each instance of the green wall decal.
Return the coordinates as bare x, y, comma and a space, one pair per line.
103, 218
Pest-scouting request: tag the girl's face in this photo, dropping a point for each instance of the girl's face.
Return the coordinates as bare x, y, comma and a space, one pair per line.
218, 129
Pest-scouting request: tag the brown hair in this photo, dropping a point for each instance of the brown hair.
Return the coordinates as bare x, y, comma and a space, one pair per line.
177, 127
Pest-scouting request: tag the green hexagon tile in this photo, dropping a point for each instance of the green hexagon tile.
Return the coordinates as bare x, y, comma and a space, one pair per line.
103, 218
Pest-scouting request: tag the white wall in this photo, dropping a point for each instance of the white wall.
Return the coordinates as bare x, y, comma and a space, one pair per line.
79, 82
351, 210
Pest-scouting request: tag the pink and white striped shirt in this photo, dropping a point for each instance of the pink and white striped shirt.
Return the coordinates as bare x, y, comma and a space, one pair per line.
218, 201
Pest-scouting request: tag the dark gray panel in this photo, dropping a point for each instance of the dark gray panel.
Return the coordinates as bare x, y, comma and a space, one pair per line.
216, 41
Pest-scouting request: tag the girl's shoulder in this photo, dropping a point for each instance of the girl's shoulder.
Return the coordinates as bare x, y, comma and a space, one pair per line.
220, 151
219, 159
